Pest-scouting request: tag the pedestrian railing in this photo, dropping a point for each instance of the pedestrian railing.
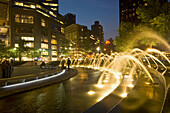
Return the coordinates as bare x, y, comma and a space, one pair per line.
27, 78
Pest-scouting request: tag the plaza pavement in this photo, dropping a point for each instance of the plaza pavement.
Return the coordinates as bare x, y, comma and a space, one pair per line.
30, 69
26, 69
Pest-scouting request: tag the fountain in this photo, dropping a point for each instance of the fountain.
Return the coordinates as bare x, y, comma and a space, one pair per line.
122, 71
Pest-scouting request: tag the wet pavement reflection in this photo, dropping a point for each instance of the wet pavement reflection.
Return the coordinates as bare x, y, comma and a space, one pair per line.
70, 96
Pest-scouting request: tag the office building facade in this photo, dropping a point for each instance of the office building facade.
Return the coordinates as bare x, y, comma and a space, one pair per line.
69, 19
39, 24
98, 34
4, 18
77, 35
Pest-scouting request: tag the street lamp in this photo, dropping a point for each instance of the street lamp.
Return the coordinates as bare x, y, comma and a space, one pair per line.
98, 49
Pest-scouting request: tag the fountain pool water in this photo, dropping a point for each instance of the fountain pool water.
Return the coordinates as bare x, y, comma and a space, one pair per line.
128, 66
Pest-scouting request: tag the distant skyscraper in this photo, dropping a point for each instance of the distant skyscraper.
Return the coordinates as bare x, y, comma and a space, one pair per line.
127, 9
97, 32
69, 19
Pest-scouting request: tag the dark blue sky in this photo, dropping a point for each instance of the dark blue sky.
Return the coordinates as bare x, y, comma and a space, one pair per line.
88, 11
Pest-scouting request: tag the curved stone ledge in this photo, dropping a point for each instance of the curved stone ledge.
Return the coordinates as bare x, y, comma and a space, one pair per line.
14, 85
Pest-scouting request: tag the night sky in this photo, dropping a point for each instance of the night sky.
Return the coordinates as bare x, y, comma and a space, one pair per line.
88, 11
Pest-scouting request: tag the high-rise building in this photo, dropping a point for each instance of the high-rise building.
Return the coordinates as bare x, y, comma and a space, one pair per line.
4, 18
77, 35
69, 19
97, 32
50, 5
39, 24
127, 9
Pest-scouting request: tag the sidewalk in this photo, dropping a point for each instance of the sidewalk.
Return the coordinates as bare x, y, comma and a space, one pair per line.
26, 69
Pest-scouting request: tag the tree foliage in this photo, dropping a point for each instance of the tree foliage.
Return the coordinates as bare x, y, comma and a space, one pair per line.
153, 21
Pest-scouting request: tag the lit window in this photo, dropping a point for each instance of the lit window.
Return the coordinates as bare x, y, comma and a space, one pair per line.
19, 3
16, 45
54, 9
17, 18
52, 13
53, 47
54, 53
134, 4
28, 38
27, 19
43, 45
29, 44
133, 14
44, 40
145, 4
130, 15
53, 41
38, 6
53, 36
27, 6
45, 52
33, 6
61, 22
62, 30
43, 23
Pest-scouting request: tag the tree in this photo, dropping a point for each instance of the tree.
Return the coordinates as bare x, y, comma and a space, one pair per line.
88, 45
154, 24
65, 44
161, 24
125, 30
152, 10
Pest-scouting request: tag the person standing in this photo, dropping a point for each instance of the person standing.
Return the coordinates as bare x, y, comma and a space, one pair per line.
68, 63
4, 69
62, 64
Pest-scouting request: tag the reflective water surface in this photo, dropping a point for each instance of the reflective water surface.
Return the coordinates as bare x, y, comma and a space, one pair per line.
70, 96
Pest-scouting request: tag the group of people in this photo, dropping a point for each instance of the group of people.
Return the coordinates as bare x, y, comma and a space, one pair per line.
68, 63
7, 68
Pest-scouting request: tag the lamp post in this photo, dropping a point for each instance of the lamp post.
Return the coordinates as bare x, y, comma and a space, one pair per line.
98, 49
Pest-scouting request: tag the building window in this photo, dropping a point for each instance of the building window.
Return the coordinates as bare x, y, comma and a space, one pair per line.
24, 30
29, 44
53, 36
16, 45
18, 3
43, 45
145, 4
54, 53
62, 30
130, 15
28, 38
53, 47
53, 41
27, 19
17, 18
45, 52
43, 23
24, 19
44, 40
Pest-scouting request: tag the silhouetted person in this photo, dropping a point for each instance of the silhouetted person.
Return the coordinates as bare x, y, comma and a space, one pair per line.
12, 65
4, 69
9, 69
62, 64
42, 64
68, 63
